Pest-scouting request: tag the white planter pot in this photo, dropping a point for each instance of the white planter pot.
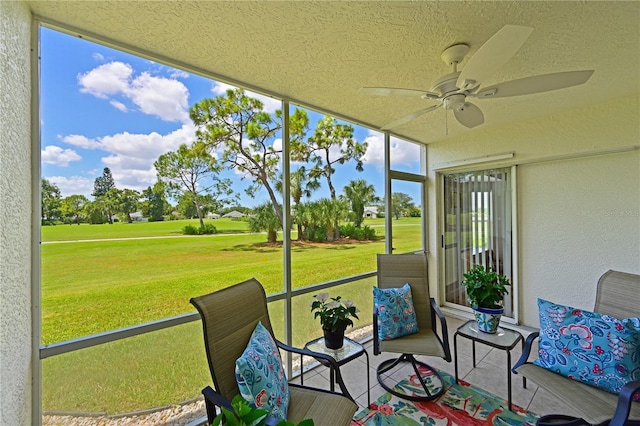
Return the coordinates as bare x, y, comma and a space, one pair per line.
488, 319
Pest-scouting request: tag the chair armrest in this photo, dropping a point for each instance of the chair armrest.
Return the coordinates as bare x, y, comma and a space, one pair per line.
435, 310
526, 351
376, 342
624, 403
326, 359
213, 399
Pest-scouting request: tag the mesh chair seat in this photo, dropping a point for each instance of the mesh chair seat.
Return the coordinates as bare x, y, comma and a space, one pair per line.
393, 272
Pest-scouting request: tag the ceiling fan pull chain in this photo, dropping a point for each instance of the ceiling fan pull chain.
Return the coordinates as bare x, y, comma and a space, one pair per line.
446, 123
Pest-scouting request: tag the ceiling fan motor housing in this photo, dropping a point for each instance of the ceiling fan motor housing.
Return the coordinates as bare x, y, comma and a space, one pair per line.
455, 102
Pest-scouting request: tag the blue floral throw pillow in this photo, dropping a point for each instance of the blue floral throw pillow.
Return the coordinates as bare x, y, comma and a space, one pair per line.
596, 349
396, 316
260, 375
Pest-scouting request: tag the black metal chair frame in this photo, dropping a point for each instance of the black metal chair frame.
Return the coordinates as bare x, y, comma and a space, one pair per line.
387, 365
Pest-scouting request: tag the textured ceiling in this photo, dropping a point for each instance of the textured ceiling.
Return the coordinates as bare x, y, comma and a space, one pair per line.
320, 53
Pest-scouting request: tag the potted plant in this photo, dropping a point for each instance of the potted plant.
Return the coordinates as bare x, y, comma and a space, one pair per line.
485, 291
335, 315
243, 414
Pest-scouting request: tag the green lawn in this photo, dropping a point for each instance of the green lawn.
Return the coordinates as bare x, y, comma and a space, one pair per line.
91, 287
135, 230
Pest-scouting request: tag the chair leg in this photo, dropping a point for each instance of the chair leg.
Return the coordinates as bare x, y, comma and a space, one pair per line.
432, 390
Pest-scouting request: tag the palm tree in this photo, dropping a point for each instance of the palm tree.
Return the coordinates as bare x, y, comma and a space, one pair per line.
359, 193
301, 185
325, 214
265, 219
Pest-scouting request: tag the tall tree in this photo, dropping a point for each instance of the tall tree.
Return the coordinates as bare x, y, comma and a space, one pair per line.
101, 186
50, 200
126, 201
359, 193
103, 183
237, 125
401, 204
73, 207
153, 204
333, 143
194, 172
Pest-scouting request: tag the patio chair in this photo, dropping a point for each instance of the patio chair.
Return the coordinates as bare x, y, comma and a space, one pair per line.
394, 271
618, 295
229, 317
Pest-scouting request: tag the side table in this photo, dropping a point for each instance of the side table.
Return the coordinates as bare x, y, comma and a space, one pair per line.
504, 339
348, 352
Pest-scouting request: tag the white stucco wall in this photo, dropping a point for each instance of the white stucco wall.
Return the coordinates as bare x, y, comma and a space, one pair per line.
577, 217
15, 215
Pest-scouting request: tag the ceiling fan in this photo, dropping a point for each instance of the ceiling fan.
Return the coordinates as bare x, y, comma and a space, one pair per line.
453, 90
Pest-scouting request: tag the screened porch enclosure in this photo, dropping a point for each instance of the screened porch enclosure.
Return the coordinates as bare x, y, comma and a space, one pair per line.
477, 229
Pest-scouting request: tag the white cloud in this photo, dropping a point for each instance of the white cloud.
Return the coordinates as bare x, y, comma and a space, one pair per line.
166, 98
73, 185
131, 156
58, 156
105, 80
401, 152
174, 73
270, 104
163, 97
118, 105
80, 141
98, 56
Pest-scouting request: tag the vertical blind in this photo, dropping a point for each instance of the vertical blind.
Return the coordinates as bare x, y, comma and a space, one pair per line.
478, 228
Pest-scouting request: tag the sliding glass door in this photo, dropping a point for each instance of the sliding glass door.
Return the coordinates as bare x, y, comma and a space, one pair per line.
477, 229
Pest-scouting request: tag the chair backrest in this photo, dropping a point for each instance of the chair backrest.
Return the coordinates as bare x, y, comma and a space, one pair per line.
395, 270
618, 295
229, 317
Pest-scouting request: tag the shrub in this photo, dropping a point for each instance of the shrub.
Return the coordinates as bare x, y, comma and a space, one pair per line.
190, 230
207, 229
360, 234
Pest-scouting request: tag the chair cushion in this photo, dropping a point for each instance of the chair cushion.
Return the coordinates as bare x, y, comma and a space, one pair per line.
593, 348
396, 316
260, 374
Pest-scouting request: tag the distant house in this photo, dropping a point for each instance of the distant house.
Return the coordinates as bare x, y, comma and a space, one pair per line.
212, 215
371, 212
234, 214
137, 217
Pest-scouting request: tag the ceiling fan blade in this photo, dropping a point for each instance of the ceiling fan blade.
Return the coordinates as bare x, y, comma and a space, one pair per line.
536, 84
493, 54
396, 91
410, 117
469, 115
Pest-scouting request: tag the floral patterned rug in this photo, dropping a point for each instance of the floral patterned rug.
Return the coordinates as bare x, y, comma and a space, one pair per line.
461, 405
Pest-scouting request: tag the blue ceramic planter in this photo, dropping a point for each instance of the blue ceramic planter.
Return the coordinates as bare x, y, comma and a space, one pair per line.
488, 319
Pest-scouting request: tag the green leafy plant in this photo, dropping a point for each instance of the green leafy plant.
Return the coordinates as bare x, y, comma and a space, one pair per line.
243, 414
334, 314
485, 287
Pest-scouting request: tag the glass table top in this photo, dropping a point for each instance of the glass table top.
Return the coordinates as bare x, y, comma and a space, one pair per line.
503, 338
348, 351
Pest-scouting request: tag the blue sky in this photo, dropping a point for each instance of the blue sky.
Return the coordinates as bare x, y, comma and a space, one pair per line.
105, 108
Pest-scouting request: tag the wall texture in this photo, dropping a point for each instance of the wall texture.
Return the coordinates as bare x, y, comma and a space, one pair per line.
15, 214
577, 216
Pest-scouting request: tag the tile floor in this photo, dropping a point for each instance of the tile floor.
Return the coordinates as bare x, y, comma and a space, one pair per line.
490, 374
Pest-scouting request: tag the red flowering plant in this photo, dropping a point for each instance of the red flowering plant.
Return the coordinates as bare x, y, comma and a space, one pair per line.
334, 314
